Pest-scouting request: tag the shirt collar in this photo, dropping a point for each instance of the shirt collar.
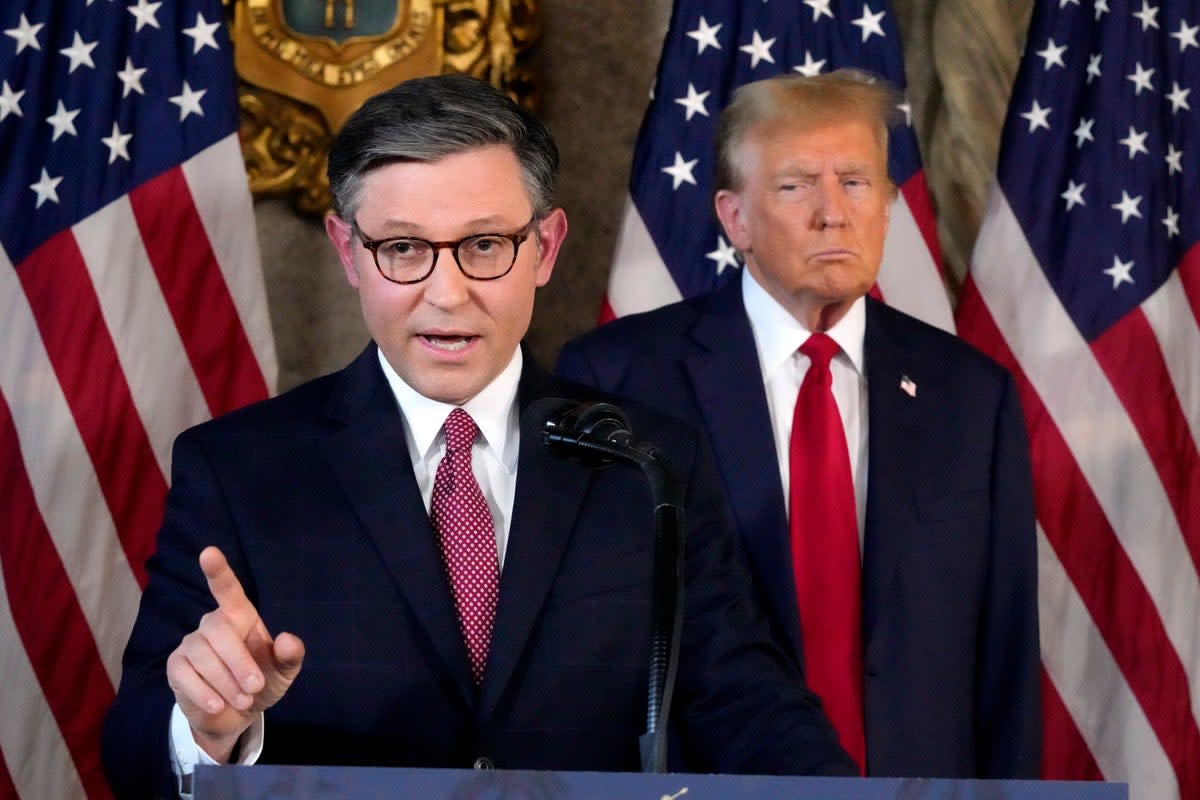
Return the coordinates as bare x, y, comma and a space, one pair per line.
494, 410
778, 335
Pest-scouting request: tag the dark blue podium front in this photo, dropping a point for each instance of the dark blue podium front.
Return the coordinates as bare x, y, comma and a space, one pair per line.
266, 782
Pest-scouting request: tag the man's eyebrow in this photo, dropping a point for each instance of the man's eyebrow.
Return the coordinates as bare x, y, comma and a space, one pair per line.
807, 171
484, 224
795, 171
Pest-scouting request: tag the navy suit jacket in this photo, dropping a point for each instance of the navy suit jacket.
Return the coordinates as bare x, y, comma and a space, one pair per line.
311, 497
949, 622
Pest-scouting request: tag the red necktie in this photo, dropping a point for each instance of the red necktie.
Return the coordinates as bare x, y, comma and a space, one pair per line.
825, 561
468, 539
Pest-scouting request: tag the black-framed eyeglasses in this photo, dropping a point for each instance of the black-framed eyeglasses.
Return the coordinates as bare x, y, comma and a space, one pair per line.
482, 257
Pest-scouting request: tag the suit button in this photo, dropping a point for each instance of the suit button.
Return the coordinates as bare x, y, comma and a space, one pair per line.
483, 762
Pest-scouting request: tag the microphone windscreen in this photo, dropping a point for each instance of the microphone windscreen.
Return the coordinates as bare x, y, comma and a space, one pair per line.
584, 430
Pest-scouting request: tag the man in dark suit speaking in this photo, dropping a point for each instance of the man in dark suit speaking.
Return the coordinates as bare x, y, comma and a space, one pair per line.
453, 592
877, 467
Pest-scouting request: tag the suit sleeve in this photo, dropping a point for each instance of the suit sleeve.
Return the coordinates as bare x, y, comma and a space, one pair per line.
743, 705
573, 365
600, 359
135, 738
1008, 700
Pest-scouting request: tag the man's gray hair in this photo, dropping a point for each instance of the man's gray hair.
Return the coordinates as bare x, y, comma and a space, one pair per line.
427, 119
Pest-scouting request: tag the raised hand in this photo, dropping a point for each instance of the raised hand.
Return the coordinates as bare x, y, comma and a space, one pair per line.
229, 669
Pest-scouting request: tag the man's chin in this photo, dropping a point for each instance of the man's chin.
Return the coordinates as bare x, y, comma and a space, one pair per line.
846, 283
451, 392
453, 384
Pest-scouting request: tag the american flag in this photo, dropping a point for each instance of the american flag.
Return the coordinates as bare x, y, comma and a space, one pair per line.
670, 245
132, 305
1085, 282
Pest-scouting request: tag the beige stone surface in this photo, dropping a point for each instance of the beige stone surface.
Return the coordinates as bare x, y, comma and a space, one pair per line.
961, 58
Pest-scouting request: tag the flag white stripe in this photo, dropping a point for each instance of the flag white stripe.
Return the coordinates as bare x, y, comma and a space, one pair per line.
228, 217
639, 280
1098, 431
34, 750
59, 466
1170, 316
1082, 668
143, 331
908, 277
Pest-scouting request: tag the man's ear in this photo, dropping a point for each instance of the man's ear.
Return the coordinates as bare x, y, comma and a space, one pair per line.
728, 205
341, 235
550, 232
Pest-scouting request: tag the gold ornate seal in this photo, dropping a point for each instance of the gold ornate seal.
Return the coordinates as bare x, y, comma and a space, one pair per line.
305, 65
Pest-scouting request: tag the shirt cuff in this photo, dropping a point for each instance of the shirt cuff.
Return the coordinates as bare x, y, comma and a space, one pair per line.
186, 754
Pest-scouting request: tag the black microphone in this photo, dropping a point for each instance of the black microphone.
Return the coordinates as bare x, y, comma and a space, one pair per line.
593, 433
598, 434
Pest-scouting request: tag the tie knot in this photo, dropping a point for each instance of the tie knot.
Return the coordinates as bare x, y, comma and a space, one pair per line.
460, 430
820, 348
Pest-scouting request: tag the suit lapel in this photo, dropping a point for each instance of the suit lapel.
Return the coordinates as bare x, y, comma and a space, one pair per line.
895, 429
369, 456
549, 492
724, 371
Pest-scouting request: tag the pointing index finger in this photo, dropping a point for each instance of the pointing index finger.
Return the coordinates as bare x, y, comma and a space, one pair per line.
227, 590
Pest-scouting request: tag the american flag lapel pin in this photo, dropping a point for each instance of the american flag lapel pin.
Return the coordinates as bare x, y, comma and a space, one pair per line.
908, 386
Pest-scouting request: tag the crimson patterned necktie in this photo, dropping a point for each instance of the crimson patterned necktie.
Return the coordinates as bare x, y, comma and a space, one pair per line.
825, 560
468, 539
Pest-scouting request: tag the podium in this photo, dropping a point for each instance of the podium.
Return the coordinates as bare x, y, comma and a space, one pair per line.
267, 782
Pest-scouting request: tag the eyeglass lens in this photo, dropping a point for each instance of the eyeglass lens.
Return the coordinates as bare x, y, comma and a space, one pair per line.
485, 256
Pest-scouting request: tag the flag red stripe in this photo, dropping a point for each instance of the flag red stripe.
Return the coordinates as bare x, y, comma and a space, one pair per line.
196, 293
606, 312
916, 194
73, 330
1066, 754
1139, 375
1189, 276
8, 789
1097, 565
56, 636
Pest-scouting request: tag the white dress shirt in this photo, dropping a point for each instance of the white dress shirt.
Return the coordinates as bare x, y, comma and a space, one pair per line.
494, 454
494, 462
777, 338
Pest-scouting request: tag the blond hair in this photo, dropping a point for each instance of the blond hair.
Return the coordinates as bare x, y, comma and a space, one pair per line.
801, 102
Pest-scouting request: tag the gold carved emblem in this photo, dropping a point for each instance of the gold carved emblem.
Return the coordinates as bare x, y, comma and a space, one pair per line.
305, 65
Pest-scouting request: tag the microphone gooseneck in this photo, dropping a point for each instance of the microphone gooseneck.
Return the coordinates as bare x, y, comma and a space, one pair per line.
597, 434
593, 433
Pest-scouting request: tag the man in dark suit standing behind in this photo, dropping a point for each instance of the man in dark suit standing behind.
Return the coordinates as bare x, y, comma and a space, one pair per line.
456, 593
876, 466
